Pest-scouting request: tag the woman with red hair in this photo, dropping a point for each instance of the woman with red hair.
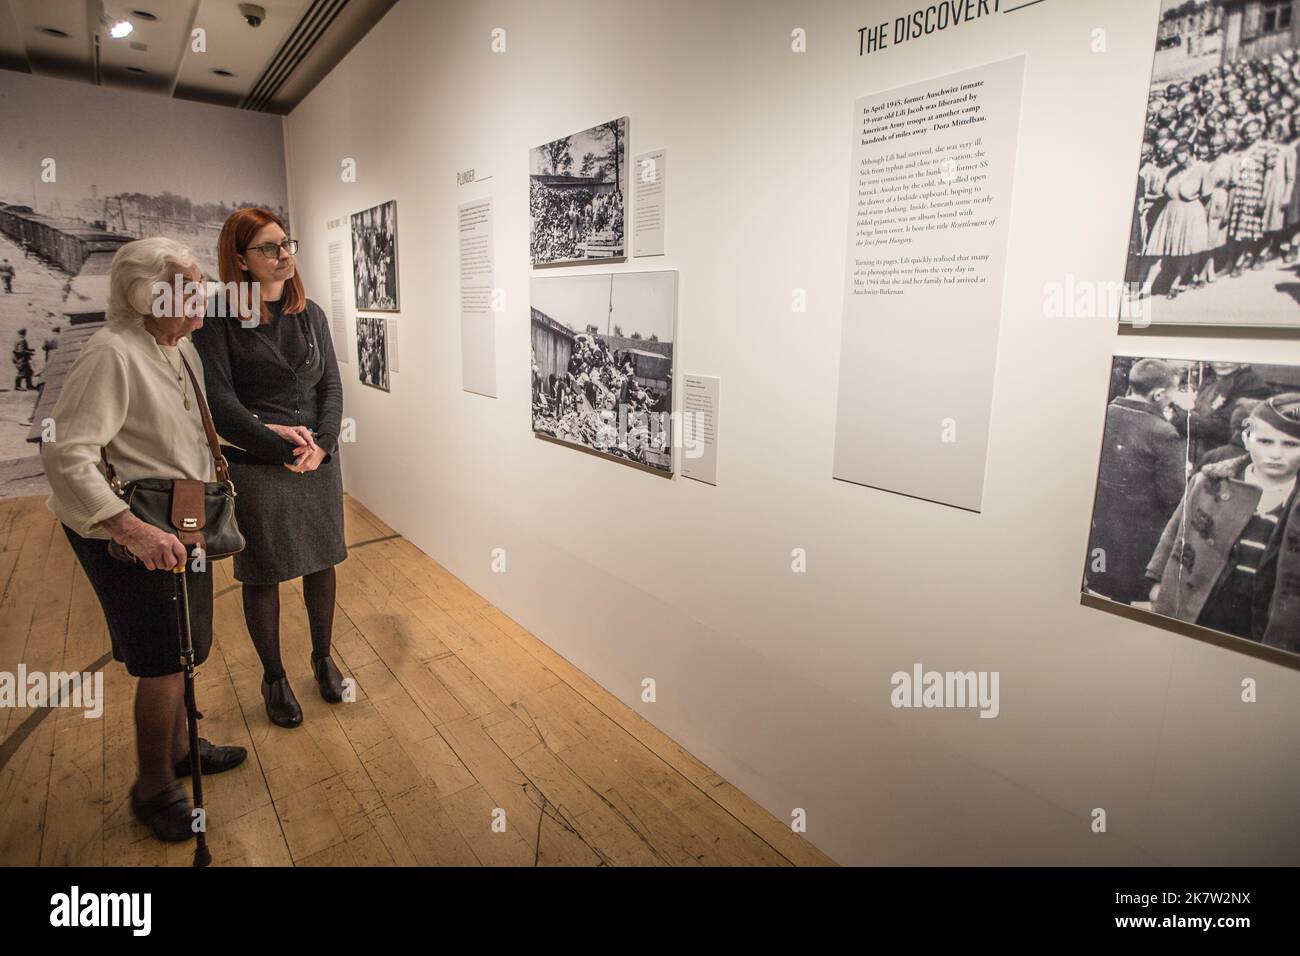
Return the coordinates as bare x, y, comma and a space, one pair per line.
276, 397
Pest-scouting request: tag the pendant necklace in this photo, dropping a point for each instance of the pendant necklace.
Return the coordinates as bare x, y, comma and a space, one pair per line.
180, 378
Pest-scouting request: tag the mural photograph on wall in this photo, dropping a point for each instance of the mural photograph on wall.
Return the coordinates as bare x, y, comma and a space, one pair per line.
1196, 515
374, 257
372, 351
1215, 238
67, 204
603, 364
576, 195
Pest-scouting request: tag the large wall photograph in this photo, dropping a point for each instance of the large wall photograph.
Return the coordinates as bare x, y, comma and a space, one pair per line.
1196, 515
576, 195
1215, 238
77, 183
602, 375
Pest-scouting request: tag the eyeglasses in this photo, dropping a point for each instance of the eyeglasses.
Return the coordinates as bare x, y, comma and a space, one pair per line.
272, 249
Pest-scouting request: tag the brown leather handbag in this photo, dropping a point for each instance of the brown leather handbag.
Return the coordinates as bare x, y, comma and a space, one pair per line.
201, 514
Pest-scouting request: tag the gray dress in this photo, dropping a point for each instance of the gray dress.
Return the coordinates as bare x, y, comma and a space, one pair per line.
293, 524
285, 373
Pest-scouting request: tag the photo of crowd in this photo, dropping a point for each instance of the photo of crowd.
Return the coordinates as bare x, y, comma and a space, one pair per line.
372, 351
1196, 515
608, 388
1215, 236
374, 257
576, 195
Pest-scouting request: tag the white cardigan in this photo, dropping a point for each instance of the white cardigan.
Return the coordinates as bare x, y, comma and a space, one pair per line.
121, 395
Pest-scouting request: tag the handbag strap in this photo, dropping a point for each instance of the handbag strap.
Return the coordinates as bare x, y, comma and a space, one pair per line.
110, 473
218, 459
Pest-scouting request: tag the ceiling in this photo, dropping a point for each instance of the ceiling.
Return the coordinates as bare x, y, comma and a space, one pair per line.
269, 68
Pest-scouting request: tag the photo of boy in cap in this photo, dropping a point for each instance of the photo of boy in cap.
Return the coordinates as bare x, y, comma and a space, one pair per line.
1229, 558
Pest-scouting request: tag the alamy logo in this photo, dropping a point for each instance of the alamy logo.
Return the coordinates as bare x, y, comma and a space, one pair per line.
55, 689
922, 688
102, 909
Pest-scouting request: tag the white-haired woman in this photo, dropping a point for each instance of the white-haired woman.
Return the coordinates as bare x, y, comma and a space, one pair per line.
129, 399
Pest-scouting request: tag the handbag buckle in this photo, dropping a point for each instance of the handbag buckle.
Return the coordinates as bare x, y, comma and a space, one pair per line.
189, 524
223, 474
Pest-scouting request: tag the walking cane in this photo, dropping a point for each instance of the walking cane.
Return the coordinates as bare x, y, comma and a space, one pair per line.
202, 855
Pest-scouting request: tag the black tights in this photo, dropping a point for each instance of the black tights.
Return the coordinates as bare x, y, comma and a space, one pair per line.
262, 615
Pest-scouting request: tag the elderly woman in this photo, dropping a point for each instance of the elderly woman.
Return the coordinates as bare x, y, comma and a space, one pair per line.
129, 401
276, 395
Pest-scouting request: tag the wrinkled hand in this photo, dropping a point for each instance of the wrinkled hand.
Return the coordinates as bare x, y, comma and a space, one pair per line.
309, 461
154, 548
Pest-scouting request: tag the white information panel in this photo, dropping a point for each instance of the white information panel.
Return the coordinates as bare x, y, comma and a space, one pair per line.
930, 200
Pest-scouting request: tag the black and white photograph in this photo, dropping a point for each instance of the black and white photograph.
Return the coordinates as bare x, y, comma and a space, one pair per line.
372, 351
1196, 515
76, 185
1215, 238
602, 375
374, 257
576, 196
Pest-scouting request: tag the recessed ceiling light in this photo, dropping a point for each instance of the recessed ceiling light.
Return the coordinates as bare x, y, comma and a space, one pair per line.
136, 70
144, 15
120, 29
223, 73
52, 32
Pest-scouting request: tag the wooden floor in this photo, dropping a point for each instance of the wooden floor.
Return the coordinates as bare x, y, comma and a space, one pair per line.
460, 713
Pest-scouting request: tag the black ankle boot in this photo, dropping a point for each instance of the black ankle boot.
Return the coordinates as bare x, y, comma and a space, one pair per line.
328, 677
281, 706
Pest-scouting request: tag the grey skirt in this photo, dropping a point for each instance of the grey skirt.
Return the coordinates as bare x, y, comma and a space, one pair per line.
293, 524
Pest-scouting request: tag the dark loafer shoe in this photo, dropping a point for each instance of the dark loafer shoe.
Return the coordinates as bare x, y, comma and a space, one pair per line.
281, 706
328, 677
168, 813
212, 759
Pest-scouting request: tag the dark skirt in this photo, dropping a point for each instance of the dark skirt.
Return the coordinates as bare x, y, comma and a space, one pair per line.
292, 524
140, 608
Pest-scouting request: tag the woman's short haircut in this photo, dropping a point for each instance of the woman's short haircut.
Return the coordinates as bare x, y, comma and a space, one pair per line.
137, 268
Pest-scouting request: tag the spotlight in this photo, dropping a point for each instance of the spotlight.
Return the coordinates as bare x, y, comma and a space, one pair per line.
119, 29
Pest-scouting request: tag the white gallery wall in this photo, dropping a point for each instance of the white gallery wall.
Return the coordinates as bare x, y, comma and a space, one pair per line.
780, 681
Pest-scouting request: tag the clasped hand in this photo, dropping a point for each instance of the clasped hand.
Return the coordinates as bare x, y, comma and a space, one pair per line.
307, 454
